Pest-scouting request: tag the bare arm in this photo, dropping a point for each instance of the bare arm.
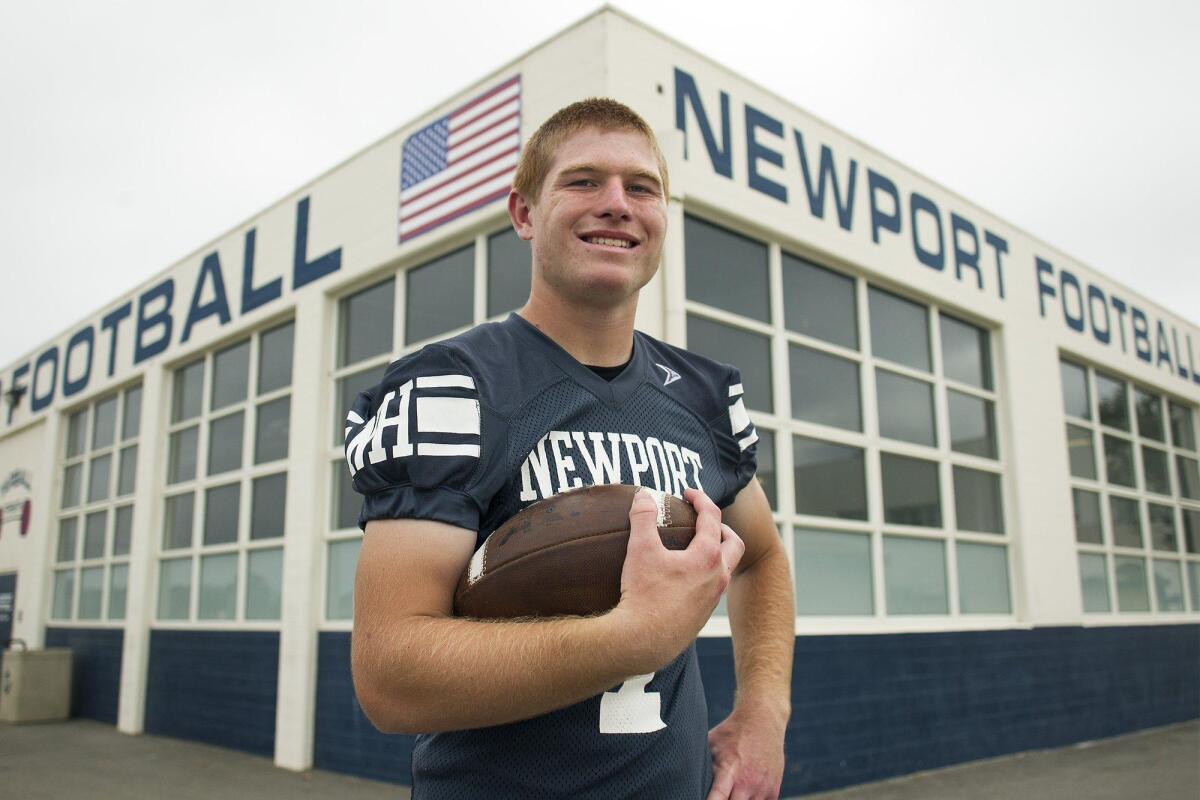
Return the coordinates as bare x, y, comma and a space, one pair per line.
747, 747
418, 669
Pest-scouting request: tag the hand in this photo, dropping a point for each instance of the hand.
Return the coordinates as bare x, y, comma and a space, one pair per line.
747, 758
668, 595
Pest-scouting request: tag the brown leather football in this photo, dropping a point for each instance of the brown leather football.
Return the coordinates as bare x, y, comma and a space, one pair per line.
563, 555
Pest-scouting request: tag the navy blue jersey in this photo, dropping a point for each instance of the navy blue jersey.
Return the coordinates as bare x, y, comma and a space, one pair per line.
469, 431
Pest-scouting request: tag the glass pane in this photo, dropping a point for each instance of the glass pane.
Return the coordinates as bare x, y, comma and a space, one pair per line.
118, 590
177, 523
1094, 579
105, 423
1118, 460
749, 352
825, 388
131, 422
72, 478
1087, 517
188, 392
231, 375
1189, 477
819, 302
99, 478
267, 509
910, 491
1193, 570
346, 501
181, 461
264, 583
965, 353
77, 433
977, 500
225, 443
1114, 404
982, 579
91, 592
510, 268
1076, 400
275, 358
1126, 523
899, 330
1132, 592
1149, 415
1183, 434
94, 534
127, 474
218, 586
174, 588
725, 270
271, 430
366, 321
1079, 447
440, 295
833, 573
122, 530
67, 530
915, 575
1168, 586
829, 479
343, 560
221, 514
64, 594
905, 408
1154, 470
972, 424
1191, 531
765, 458
348, 389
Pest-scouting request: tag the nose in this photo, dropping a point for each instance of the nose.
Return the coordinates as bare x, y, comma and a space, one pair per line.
612, 199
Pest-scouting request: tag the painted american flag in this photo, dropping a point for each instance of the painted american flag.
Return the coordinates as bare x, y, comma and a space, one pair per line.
462, 161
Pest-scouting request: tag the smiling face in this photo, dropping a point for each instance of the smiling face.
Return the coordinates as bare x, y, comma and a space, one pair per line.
598, 223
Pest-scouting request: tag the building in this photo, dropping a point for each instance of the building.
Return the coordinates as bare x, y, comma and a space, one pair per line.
982, 455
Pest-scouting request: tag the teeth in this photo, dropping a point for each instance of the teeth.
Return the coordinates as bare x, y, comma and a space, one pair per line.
609, 242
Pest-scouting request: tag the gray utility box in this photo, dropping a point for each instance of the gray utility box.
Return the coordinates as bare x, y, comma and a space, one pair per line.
35, 685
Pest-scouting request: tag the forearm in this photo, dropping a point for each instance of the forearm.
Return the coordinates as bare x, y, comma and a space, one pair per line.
426, 674
762, 620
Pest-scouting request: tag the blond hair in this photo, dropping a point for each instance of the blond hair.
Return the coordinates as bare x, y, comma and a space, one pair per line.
595, 112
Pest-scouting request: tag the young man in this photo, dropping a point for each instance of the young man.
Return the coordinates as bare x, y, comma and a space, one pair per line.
466, 432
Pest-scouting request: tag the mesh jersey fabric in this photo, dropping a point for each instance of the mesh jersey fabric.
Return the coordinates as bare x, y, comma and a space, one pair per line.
469, 431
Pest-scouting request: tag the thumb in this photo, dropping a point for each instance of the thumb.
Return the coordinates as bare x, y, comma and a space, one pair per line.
643, 516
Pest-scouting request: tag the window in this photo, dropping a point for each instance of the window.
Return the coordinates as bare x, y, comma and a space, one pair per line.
95, 518
1137, 516
431, 300
224, 520
888, 413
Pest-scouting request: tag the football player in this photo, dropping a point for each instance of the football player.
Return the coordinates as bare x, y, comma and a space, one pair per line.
464, 433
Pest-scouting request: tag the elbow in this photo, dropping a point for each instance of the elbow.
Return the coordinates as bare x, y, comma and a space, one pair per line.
388, 711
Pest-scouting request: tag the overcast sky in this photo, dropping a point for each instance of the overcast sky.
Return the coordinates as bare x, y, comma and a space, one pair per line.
132, 133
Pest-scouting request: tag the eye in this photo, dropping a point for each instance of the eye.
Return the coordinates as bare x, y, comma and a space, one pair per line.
581, 182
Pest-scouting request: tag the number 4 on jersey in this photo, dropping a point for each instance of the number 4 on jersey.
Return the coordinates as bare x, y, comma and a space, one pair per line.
631, 709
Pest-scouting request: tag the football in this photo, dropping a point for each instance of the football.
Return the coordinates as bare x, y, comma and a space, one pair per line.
563, 555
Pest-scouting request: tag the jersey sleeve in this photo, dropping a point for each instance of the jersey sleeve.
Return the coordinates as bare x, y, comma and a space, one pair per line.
419, 445
736, 439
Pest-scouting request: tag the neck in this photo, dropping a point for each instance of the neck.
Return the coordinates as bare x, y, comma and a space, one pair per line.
596, 336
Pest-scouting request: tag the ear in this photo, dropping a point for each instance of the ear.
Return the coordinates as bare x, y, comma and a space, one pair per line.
521, 214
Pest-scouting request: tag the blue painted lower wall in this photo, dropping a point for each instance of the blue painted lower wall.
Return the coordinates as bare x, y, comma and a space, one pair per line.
217, 687
868, 707
95, 669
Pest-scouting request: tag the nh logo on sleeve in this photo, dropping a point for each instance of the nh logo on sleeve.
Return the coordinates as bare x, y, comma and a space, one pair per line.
427, 420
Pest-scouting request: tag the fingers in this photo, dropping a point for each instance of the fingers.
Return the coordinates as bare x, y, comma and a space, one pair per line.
708, 517
732, 548
643, 519
722, 784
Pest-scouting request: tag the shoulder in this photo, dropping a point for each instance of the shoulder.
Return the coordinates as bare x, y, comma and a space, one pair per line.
703, 383
479, 360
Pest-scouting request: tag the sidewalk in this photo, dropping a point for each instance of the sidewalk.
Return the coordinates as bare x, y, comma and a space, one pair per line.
82, 758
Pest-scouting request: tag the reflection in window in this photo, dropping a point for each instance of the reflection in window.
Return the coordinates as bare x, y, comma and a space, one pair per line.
915, 575
899, 330
977, 500
910, 491
1093, 575
366, 322
982, 579
1087, 517
725, 270
510, 269
1162, 528
965, 353
825, 388
749, 352
1126, 523
1183, 434
905, 408
1114, 403
973, 426
819, 302
440, 295
1132, 591
1118, 460
830, 479
1149, 415
1076, 400
833, 573
1168, 585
